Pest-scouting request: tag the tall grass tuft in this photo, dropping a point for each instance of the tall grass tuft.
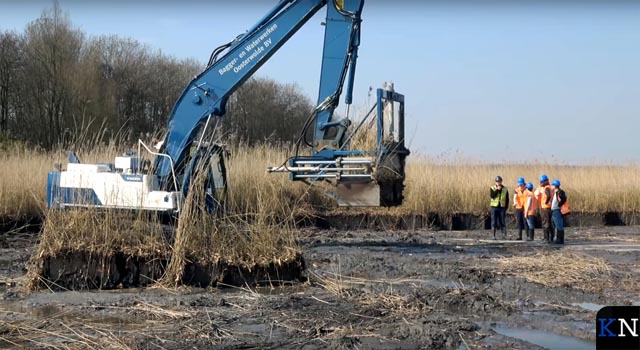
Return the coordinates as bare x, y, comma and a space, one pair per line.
256, 226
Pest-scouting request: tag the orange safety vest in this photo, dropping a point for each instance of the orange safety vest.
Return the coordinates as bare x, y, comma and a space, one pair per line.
530, 210
564, 209
542, 197
519, 197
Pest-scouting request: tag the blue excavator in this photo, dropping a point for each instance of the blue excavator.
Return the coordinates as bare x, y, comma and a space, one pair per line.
358, 177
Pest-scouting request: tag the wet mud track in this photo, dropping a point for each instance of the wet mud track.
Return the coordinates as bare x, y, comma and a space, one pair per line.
366, 290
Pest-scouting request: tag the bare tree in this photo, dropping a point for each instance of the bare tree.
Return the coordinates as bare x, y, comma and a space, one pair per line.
263, 110
58, 86
9, 65
52, 49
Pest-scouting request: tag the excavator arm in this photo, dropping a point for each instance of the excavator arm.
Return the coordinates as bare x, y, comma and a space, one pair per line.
207, 94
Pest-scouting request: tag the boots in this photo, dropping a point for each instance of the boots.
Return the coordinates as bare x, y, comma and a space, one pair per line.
504, 233
560, 237
530, 234
546, 234
519, 235
494, 234
551, 235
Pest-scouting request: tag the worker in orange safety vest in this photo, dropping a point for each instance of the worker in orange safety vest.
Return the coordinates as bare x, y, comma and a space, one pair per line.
518, 204
530, 204
559, 208
544, 196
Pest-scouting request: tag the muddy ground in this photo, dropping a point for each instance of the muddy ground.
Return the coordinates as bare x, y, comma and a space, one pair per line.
366, 290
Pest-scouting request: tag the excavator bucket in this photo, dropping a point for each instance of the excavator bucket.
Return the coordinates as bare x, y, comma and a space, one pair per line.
362, 177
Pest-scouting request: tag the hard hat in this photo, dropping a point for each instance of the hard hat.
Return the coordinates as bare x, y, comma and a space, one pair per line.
544, 178
529, 186
498, 178
521, 181
556, 183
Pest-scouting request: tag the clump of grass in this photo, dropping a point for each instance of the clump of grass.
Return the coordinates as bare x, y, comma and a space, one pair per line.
100, 233
255, 228
103, 231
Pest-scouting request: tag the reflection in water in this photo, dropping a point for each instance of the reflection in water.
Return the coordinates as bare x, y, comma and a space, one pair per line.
547, 340
589, 306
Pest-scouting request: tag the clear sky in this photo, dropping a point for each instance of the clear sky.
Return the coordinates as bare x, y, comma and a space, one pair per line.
488, 80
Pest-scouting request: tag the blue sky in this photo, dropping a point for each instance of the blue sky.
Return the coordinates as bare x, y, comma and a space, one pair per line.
488, 80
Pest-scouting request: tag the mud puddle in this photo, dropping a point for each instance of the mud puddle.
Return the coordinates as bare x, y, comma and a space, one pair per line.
589, 306
544, 339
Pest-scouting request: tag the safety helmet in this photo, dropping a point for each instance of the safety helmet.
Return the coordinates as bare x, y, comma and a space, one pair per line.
529, 186
556, 183
521, 181
498, 178
544, 178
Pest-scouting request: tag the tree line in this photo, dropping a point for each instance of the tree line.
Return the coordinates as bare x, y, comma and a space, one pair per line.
59, 85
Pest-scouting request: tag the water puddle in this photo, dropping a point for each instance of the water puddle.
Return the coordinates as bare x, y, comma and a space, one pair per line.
546, 340
589, 306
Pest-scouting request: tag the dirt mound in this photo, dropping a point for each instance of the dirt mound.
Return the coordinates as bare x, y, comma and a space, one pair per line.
73, 270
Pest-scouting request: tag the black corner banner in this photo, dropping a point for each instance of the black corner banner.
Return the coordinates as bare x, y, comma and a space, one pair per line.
617, 328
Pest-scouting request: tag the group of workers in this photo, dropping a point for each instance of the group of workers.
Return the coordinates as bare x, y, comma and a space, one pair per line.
549, 200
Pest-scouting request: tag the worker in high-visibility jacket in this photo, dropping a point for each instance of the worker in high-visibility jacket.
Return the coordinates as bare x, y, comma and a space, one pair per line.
544, 196
499, 204
518, 204
530, 204
559, 208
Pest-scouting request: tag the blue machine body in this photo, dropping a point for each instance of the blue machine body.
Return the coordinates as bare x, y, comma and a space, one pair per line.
205, 98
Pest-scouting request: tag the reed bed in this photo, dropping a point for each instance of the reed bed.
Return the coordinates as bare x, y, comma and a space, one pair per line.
432, 185
255, 228
442, 186
23, 179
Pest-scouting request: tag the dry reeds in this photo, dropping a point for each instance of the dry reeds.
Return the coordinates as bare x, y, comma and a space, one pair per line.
560, 269
100, 233
454, 187
432, 185
103, 232
23, 174
254, 229
147, 324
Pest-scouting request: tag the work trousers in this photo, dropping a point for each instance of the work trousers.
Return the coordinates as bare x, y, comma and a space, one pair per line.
531, 222
521, 223
558, 219
545, 215
497, 218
